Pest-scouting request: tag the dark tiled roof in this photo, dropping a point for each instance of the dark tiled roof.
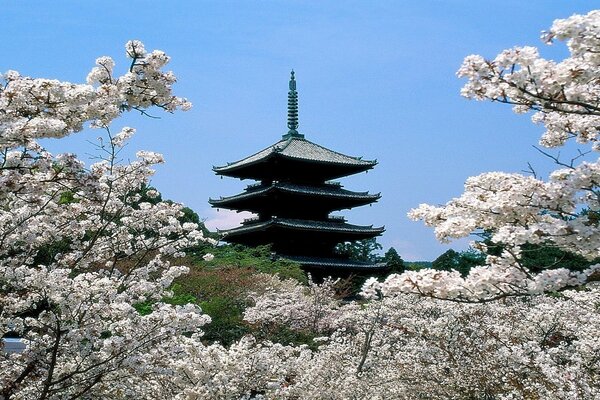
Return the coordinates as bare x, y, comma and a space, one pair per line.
321, 191
335, 263
307, 225
300, 149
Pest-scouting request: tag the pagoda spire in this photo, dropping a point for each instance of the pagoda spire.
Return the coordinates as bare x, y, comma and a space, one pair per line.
294, 198
292, 116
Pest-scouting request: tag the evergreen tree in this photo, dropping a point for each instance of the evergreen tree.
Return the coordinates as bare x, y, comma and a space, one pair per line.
393, 261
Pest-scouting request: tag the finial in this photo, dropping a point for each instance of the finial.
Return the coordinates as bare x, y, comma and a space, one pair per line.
292, 109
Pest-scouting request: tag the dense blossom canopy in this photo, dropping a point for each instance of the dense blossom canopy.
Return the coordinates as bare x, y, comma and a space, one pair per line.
78, 247
81, 247
407, 347
516, 209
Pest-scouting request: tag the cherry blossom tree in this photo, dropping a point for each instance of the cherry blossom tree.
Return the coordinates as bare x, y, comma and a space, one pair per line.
518, 209
309, 308
408, 346
78, 249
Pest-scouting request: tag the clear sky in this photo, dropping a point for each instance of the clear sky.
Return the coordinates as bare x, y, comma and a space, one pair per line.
375, 79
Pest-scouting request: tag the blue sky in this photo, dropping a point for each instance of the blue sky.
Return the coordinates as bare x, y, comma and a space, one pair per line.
375, 79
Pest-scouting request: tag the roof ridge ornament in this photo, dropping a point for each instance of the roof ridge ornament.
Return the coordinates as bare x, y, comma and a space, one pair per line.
292, 116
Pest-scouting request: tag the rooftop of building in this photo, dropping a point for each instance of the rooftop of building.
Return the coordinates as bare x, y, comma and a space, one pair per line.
335, 263
327, 191
300, 149
293, 146
306, 225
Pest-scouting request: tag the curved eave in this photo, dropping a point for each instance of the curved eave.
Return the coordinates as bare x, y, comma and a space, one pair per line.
357, 161
256, 204
222, 201
237, 201
334, 263
294, 150
331, 192
304, 225
254, 169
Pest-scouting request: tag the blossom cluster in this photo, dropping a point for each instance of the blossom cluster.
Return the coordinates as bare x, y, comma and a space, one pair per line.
409, 346
84, 249
35, 107
80, 248
514, 209
312, 308
563, 95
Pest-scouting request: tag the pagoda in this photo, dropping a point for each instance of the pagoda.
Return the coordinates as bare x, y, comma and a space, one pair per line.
294, 198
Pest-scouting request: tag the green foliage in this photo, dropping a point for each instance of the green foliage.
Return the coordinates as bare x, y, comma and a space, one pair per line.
393, 261
221, 288
45, 254
205, 283
180, 296
470, 258
190, 215
367, 251
461, 262
416, 265
144, 308
145, 198
448, 261
534, 257
258, 258
542, 256
537, 257
227, 323
67, 197
360, 250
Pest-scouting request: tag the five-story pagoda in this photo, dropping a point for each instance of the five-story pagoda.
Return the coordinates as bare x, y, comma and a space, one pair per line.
295, 197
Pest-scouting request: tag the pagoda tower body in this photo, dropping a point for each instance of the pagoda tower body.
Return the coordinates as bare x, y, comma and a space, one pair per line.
294, 198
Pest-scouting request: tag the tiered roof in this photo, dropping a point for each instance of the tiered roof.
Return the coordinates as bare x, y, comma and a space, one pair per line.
331, 227
294, 198
294, 158
259, 197
328, 263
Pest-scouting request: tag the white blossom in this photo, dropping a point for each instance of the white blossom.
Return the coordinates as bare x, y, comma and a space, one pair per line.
78, 250
516, 209
81, 254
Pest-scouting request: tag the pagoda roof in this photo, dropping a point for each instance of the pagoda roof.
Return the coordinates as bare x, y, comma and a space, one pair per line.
305, 225
294, 148
328, 191
334, 263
